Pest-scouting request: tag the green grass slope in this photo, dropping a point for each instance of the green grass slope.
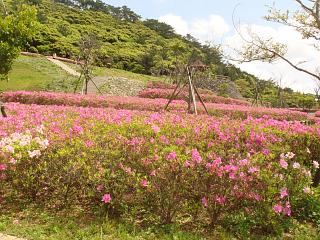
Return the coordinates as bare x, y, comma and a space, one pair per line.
35, 73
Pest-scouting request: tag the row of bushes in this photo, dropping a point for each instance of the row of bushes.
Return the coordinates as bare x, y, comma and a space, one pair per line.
145, 104
184, 94
253, 176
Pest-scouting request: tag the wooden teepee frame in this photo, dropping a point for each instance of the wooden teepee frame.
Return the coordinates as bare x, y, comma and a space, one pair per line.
188, 72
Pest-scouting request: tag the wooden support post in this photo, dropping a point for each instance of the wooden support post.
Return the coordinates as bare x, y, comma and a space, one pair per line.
96, 86
200, 98
192, 91
172, 95
3, 112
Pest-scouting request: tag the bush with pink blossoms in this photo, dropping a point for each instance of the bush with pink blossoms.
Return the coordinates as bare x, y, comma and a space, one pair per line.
161, 167
183, 95
317, 114
20, 151
144, 104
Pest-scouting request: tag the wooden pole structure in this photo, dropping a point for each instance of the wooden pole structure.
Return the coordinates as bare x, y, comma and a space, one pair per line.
192, 103
172, 95
193, 97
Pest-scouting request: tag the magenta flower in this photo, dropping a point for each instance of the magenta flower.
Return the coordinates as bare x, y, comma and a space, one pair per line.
287, 209
187, 164
283, 164
155, 128
144, 183
253, 170
277, 208
3, 167
106, 198
220, 200
171, 156
88, 143
196, 156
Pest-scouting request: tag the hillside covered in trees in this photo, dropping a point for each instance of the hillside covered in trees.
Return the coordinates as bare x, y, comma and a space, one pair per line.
141, 46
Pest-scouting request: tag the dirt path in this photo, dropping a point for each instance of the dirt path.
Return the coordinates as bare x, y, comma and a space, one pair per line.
64, 67
7, 237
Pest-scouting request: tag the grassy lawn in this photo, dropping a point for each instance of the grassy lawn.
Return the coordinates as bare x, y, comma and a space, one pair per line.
37, 73
41, 225
34, 73
35, 224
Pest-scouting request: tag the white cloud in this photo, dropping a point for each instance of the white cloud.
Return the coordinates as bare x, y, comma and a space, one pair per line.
177, 22
298, 50
214, 28
209, 29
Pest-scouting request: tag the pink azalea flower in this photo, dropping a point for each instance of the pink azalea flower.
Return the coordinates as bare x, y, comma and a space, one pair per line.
196, 156
315, 164
171, 156
88, 143
277, 208
106, 198
3, 167
253, 170
13, 161
283, 164
296, 165
153, 173
220, 200
144, 183
287, 209
187, 164
290, 155
155, 128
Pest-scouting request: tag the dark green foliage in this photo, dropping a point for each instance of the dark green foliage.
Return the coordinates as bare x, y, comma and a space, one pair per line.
163, 29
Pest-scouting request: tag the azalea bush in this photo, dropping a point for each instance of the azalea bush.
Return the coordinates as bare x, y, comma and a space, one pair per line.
145, 104
160, 167
184, 94
317, 114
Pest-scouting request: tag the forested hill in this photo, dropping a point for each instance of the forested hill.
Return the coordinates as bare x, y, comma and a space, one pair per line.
127, 42
130, 43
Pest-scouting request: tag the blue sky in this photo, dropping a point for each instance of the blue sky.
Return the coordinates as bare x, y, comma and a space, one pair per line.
211, 20
248, 10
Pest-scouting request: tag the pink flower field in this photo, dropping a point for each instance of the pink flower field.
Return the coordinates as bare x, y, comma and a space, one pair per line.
147, 104
156, 166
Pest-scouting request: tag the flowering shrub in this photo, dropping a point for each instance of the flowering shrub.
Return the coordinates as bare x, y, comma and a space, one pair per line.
206, 97
161, 167
143, 104
17, 151
317, 114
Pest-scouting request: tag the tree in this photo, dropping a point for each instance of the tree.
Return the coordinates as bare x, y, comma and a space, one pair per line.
305, 20
88, 47
15, 31
163, 29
